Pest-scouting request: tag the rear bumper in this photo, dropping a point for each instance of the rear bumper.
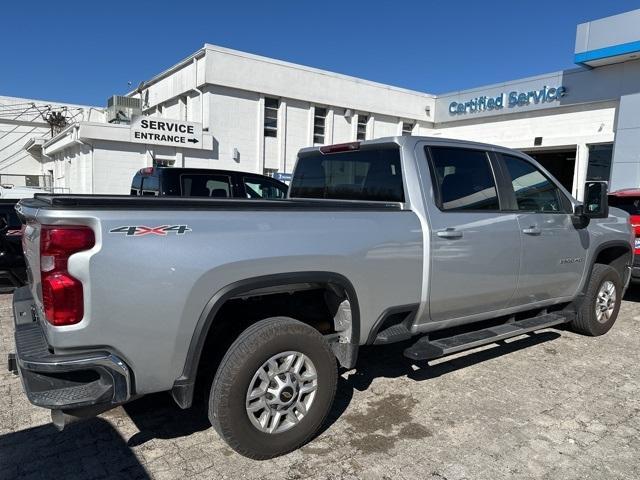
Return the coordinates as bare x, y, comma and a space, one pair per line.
63, 382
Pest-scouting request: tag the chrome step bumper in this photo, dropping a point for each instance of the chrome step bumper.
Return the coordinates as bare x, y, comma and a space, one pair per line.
63, 381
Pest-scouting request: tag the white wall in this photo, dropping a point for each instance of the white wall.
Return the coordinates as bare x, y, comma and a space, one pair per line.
385, 126
343, 130
114, 165
298, 132
283, 79
574, 126
233, 122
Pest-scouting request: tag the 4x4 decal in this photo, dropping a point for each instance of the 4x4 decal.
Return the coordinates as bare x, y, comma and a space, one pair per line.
141, 230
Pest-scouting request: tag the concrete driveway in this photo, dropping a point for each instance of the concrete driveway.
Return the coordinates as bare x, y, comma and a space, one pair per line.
549, 405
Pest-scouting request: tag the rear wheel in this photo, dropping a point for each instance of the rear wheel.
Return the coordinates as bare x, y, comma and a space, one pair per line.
274, 388
601, 304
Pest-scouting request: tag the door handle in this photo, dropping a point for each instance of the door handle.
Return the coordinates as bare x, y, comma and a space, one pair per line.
449, 233
532, 230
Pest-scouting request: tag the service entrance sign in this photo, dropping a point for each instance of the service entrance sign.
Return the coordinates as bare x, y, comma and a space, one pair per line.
163, 131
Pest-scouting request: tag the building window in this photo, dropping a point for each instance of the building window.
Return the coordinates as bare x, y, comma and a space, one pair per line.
599, 166
319, 121
271, 117
32, 180
269, 172
361, 133
407, 128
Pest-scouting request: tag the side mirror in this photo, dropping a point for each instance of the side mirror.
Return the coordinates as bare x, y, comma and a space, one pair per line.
595, 203
579, 219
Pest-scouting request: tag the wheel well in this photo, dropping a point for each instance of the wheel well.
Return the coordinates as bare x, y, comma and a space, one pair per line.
324, 306
617, 256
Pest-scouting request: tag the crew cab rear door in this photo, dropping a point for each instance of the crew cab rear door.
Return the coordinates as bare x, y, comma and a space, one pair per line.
475, 246
553, 249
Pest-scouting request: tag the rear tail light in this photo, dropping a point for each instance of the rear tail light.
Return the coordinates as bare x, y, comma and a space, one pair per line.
634, 220
62, 294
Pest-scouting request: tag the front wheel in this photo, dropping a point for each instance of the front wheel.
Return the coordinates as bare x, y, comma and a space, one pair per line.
601, 304
273, 389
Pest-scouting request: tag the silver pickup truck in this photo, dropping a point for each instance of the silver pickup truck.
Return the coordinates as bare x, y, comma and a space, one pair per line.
452, 244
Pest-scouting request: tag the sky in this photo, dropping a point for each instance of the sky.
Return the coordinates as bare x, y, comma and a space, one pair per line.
85, 51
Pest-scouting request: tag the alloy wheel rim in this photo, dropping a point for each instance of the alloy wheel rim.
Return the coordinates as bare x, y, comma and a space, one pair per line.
281, 392
606, 301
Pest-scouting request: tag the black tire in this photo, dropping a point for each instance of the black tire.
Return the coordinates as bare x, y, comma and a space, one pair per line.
254, 346
586, 321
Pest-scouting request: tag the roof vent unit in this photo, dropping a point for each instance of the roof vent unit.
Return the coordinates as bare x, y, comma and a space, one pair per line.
121, 109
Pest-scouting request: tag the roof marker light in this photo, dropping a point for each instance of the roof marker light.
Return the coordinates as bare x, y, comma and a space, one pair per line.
340, 147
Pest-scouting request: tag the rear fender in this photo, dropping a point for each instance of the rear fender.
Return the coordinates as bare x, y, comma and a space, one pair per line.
346, 353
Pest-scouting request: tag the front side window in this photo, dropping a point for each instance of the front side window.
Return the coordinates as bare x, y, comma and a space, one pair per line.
372, 175
534, 191
203, 185
263, 188
464, 179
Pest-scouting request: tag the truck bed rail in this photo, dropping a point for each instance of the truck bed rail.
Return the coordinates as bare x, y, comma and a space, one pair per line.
117, 202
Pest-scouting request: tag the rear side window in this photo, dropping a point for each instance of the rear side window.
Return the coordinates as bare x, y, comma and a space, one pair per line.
150, 185
534, 192
369, 175
464, 179
256, 187
202, 185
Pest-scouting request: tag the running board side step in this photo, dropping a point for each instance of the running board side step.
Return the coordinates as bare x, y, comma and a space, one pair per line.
425, 349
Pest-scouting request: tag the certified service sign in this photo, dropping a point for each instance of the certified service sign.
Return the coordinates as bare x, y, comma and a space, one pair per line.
163, 131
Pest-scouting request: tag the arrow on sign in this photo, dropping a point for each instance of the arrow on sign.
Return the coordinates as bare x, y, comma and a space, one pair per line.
192, 140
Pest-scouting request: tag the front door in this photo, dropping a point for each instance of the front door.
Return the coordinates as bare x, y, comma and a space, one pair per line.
553, 250
475, 247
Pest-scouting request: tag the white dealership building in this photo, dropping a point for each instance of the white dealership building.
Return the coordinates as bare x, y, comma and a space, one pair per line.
222, 108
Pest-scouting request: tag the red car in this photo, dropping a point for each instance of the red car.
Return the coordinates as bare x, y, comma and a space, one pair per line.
629, 201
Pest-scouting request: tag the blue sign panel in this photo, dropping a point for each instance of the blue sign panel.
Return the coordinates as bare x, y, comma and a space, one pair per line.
510, 100
283, 177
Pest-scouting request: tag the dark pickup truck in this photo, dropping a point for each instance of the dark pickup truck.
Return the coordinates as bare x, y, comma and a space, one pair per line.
204, 182
12, 265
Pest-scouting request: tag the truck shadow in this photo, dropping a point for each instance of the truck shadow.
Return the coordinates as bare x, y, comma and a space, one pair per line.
633, 293
389, 362
157, 416
91, 449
